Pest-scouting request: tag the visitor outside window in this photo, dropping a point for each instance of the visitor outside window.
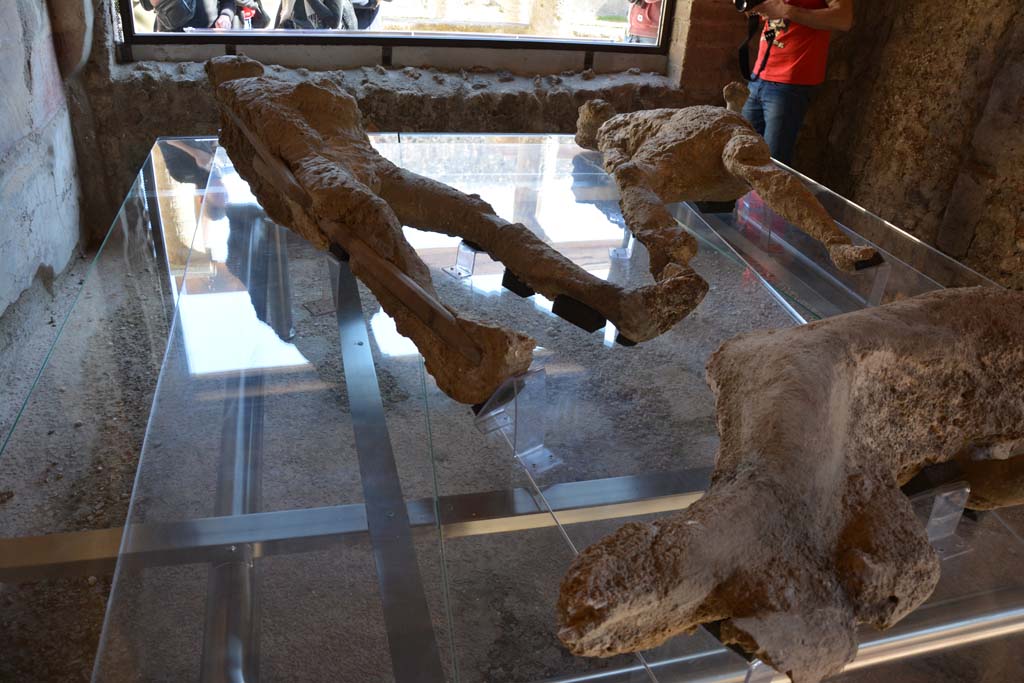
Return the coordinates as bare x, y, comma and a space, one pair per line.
250, 15
316, 14
179, 15
791, 65
366, 12
644, 22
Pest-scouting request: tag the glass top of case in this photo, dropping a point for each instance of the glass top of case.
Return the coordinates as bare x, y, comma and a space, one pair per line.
292, 426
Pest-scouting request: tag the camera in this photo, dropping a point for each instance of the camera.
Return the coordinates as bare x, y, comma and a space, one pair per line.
746, 5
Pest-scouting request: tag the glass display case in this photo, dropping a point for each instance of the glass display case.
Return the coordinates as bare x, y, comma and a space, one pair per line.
309, 505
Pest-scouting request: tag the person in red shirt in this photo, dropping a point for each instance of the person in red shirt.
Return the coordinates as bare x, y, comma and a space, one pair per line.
644, 21
790, 65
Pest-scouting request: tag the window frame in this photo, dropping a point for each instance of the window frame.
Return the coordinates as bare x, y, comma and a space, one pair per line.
231, 39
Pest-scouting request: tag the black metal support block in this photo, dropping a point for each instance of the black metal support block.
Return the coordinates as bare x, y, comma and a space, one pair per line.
623, 340
579, 314
513, 284
875, 260
716, 207
339, 253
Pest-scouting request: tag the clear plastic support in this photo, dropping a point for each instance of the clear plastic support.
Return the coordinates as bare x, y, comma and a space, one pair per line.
465, 262
517, 410
759, 672
625, 250
941, 510
878, 280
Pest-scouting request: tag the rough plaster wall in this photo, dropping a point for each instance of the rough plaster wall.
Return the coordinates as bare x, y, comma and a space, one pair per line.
921, 122
38, 187
119, 110
706, 35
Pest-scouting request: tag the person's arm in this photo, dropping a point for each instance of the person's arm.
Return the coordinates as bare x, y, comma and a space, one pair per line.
838, 16
330, 15
225, 13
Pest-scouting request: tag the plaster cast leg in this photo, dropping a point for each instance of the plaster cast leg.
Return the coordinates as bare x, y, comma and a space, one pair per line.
669, 245
639, 314
747, 157
650, 222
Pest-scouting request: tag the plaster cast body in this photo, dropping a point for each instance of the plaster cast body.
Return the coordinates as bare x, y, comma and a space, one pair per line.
353, 192
804, 532
704, 153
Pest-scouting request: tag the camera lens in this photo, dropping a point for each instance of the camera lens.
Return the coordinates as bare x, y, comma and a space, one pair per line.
741, 5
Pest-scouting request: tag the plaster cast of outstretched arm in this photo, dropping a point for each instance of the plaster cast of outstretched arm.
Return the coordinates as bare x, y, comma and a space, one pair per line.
747, 157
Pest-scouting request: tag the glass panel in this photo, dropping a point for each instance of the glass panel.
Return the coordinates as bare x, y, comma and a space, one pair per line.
251, 416
970, 628
612, 416
82, 424
798, 268
248, 547
573, 20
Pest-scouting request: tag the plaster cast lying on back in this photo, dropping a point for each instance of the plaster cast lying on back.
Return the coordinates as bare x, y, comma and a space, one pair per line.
662, 156
804, 532
304, 152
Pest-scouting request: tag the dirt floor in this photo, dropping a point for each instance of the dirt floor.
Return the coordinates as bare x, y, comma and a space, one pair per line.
70, 462
49, 629
38, 640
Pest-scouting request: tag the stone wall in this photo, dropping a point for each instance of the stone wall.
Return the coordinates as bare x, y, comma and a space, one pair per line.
703, 56
922, 122
38, 186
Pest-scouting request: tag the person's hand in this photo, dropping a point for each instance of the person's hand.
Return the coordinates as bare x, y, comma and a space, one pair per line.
773, 9
223, 21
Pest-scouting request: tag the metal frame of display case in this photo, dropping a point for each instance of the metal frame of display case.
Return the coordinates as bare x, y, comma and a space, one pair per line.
238, 534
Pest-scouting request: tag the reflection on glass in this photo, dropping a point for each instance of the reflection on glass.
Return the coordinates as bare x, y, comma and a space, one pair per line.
235, 309
222, 334
389, 340
181, 170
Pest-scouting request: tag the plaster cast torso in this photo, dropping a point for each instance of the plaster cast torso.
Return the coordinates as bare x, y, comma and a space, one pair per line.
804, 532
688, 141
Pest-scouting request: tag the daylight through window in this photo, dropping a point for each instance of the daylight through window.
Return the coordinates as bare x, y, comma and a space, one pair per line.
636, 22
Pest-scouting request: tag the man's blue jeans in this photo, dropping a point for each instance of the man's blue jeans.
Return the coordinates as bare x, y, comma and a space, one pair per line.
776, 110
